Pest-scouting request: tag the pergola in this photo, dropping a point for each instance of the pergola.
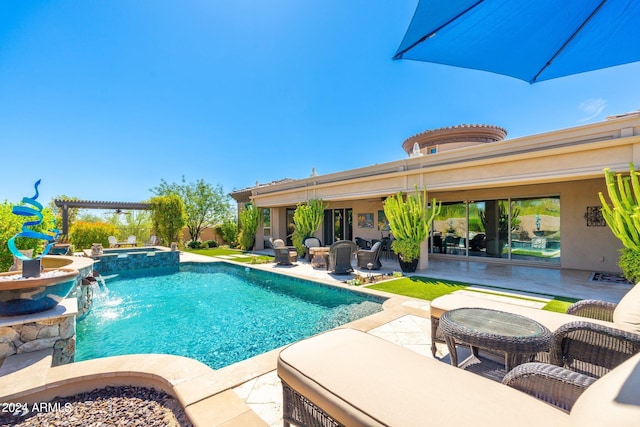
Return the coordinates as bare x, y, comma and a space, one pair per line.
86, 204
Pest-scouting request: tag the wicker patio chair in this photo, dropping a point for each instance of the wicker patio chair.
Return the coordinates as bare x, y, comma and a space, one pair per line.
311, 242
593, 309
558, 386
340, 256
590, 348
362, 243
284, 255
364, 257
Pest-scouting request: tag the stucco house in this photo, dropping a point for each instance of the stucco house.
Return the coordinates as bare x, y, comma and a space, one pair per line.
529, 200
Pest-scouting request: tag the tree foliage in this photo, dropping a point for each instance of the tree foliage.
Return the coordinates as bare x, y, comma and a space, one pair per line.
205, 205
85, 234
133, 223
229, 231
168, 217
11, 224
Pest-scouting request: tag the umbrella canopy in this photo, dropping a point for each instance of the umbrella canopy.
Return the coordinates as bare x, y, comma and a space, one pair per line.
530, 40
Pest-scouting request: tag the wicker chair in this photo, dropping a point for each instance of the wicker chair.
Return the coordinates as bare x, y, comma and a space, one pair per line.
284, 255
553, 384
340, 256
364, 257
311, 242
592, 349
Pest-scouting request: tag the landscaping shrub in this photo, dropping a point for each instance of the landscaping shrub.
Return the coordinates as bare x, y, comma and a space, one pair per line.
229, 231
629, 262
194, 244
11, 225
211, 244
84, 234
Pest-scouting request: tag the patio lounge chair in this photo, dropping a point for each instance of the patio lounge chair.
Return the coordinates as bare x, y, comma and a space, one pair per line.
364, 257
113, 242
153, 241
340, 256
284, 255
322, 386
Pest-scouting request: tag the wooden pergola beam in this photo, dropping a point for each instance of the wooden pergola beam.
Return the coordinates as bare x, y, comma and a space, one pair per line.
87, 204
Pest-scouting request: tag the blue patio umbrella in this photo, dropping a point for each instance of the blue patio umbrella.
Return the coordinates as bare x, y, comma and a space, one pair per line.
532, 40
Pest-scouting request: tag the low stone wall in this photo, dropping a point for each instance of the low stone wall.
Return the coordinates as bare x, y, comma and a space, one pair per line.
81, 290
120, 259
55, 328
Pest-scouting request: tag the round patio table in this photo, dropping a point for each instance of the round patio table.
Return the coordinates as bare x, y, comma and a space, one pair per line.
519, 337
319, 256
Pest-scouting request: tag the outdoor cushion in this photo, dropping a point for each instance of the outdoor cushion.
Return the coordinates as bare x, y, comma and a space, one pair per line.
627, 313
362, 380
613, 400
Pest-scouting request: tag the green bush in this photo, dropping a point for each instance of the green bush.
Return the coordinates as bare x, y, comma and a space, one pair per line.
211, 244
630, 264
229, 231
194, 244
250, 217
84, 234
11, 224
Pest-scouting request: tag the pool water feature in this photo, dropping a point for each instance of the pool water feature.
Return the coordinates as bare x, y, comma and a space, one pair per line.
216, 313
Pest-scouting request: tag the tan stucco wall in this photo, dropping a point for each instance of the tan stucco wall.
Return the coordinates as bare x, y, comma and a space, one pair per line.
566, 163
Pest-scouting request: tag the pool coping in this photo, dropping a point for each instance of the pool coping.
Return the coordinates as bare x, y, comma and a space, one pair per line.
206, 394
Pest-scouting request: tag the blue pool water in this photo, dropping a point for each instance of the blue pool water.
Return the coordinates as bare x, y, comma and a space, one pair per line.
217, 313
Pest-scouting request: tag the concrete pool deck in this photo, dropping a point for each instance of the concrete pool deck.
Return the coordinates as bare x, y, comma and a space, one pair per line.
248, 393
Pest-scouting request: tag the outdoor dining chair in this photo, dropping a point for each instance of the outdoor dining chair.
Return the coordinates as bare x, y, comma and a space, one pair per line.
340, 256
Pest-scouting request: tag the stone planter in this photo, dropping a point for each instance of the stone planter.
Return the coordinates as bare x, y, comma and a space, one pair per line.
32, 295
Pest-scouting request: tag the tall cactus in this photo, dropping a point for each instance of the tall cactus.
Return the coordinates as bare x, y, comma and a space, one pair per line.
307, 219
409, 221
623, 218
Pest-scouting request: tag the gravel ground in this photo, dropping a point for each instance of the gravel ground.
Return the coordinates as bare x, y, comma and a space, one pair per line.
109, 406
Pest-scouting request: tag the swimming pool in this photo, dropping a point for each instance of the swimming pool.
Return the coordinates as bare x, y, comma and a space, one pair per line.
216, 313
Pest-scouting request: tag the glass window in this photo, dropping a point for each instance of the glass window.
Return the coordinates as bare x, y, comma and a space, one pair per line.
266, 221
449, 229
536, 232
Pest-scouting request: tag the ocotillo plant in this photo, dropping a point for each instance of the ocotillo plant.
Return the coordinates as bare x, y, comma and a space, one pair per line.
623, 217
409, 222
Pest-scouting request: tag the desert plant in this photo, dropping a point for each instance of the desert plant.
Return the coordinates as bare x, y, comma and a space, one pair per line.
229, 231
409, 222
307, 219
623, 218
249, 220
629, 262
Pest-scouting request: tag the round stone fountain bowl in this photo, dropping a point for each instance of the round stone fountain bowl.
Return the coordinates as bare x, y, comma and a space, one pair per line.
19, 295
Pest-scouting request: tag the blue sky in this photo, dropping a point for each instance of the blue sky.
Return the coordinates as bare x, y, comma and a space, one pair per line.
103, 99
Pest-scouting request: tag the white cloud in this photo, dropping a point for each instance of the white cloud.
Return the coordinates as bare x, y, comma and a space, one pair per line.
592, 108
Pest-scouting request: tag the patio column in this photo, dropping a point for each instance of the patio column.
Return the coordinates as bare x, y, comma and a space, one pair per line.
423, 263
